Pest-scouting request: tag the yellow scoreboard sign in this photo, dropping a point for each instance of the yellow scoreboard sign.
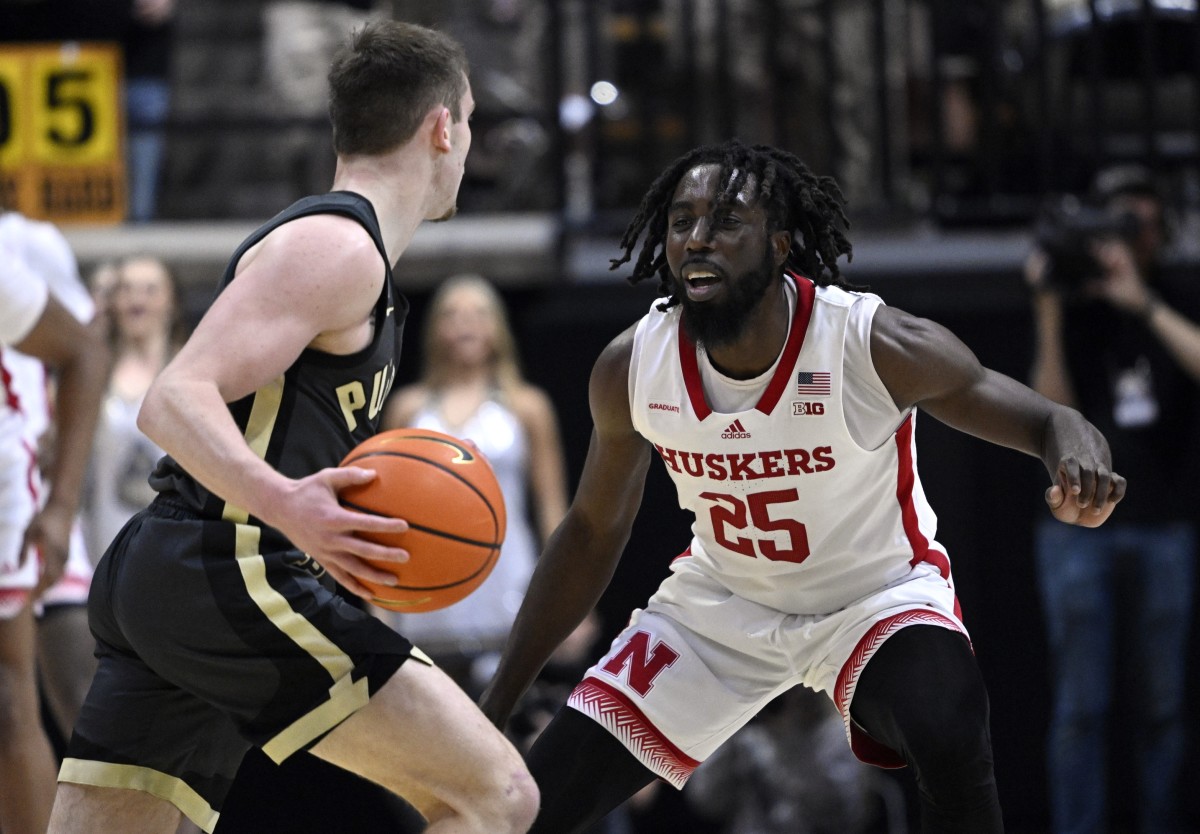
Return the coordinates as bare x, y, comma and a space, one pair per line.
62, 131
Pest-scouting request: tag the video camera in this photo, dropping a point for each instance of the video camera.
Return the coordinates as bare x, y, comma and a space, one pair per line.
1067, 229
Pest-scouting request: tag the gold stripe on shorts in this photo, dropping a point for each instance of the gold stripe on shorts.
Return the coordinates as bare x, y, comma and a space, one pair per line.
154, 782
345, 694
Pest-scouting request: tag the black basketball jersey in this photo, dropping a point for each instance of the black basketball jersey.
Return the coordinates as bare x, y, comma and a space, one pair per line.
324, 404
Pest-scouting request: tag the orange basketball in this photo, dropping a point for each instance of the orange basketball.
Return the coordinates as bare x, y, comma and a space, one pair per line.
449, 496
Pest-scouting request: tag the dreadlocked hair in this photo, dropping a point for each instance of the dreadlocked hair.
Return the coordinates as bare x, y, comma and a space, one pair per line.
795, 199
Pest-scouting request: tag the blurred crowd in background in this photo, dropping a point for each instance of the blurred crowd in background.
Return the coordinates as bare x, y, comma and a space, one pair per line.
960, 112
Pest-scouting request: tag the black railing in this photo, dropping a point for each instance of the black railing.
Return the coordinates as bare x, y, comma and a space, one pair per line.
966, 112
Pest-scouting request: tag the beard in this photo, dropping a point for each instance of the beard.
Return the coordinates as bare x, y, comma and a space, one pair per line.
723, 323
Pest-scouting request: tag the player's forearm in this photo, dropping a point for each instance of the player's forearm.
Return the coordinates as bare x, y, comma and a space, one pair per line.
998, 409
1067, 434
191, 422
570, 577
79, 392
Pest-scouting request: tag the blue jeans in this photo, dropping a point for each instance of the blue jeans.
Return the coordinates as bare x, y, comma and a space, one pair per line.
1085, 576
147, 104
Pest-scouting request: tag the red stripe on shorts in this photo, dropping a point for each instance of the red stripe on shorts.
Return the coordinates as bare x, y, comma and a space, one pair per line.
865, 747
612, 709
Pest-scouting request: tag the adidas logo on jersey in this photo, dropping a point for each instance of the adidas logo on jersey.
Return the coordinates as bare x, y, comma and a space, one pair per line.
735, 431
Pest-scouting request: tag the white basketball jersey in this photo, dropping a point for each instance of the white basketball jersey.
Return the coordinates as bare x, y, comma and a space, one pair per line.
790, 511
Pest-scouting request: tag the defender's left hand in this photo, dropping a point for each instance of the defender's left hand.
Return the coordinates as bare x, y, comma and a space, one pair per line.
1084, 495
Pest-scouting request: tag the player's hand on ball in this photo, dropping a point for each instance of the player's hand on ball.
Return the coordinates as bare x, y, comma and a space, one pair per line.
1084, 495
447, 492
314, 521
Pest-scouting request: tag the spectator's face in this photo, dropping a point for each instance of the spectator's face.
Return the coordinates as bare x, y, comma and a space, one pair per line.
143, 300
466, 326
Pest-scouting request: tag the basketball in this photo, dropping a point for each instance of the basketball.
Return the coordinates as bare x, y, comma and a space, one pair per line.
449, 496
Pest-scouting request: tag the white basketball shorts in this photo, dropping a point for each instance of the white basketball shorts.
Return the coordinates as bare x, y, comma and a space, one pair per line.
697, 663
20, 569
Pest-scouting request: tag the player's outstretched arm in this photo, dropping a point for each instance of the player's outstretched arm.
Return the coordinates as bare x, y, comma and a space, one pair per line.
582, 553
923, 365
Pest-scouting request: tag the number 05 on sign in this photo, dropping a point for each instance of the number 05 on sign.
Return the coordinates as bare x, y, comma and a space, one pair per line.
62, 131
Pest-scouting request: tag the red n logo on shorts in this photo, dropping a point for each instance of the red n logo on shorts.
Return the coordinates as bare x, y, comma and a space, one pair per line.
644, 665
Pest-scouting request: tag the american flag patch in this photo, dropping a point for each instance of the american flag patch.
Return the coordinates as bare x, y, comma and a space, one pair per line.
813, 384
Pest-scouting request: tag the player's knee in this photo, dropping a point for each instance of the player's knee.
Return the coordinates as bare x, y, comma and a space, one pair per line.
947, 738
953, 757
527, 804
515, 804
961, 754
954, 738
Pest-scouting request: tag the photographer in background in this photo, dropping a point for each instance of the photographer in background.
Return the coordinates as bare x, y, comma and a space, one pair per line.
1115, 342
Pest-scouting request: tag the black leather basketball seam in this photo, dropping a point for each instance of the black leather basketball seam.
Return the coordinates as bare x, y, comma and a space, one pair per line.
485, 566
430, 530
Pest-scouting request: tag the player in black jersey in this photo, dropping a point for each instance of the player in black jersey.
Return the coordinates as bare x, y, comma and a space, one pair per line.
214, 609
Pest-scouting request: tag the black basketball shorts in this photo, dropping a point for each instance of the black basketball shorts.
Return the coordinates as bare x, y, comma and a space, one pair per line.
207, 646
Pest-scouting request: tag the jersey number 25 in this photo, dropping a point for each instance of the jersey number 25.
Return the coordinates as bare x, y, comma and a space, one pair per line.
732, 513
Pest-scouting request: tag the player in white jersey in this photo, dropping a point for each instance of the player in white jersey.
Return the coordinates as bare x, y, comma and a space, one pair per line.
64, 643
783, 405
41, 248
34, 532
